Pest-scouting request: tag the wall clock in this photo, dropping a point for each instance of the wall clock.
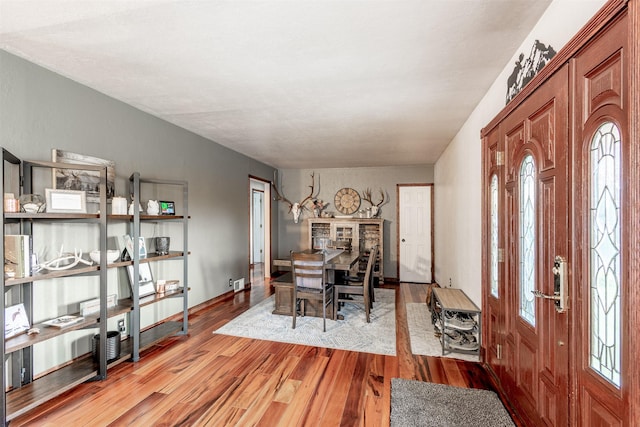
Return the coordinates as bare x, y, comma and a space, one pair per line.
347, 201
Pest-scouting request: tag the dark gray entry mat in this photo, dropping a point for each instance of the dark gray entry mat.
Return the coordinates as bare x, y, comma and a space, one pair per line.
417, 403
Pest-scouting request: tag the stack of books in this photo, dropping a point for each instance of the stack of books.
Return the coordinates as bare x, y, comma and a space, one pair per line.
17, 255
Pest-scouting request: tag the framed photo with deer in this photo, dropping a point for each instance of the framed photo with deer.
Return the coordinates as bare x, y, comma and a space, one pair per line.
82, 180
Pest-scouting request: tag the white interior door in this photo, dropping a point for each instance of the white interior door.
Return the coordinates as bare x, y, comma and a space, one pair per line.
257, 228
414, 233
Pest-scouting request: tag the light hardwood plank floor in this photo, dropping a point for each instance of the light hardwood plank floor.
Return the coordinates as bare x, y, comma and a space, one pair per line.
205, 379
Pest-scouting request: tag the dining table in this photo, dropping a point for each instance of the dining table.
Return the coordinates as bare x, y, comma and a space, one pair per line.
336, 261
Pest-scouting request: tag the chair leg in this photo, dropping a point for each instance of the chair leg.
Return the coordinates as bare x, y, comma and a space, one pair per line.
367, 304
324, 310
294, 304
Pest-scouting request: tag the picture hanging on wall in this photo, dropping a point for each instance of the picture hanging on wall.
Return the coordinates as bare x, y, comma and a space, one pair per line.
78, 179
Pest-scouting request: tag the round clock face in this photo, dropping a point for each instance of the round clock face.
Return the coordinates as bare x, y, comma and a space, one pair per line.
347, 201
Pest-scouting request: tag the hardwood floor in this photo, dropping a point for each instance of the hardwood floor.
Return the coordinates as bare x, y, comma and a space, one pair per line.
205, 379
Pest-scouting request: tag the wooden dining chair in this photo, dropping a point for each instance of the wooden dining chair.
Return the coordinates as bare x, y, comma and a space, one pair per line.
310, 283
343, 293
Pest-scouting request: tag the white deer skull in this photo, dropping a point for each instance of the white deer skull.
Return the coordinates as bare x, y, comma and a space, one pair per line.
297, 207
375, 207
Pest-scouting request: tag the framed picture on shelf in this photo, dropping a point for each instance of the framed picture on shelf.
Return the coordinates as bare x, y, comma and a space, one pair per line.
128, 245
78, 179
15, 320
167, 208
145, 280
65, 201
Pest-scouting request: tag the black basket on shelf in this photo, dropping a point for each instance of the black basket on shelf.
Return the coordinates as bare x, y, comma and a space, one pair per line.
113, 346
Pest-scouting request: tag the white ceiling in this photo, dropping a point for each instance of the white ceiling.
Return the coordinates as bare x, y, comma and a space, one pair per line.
295, 84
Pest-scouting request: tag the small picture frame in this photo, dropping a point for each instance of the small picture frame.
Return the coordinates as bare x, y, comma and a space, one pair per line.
146, 286
15, 320
167, 207
65, 201
128, 245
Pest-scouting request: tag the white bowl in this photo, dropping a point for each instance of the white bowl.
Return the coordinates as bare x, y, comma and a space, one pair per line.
112, 255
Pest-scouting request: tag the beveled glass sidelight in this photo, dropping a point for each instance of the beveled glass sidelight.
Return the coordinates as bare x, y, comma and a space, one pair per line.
604, 242
494, 235
527, 220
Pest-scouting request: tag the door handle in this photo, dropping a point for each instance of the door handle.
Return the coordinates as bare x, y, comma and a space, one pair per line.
559, 297
539, 294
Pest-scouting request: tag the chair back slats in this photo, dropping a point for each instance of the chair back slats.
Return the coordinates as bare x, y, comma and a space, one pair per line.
368, 275
309, 282
365, 287
308, 270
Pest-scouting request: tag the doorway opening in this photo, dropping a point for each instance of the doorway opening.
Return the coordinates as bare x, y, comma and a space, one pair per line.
259, 225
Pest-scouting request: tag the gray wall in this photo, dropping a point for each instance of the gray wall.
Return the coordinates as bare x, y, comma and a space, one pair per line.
294, 184
41, 110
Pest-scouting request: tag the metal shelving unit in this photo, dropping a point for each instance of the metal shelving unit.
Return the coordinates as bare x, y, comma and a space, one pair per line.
141, 339
25, 391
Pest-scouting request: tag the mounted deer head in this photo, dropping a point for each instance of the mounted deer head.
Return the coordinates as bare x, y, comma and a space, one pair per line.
375, 207
297, 207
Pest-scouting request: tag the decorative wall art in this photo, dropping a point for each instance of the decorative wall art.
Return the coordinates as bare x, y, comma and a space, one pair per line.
526, 69
375, 207
298, 207
347, 201
78, 179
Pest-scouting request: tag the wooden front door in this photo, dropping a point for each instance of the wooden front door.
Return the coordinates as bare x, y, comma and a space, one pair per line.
602, 232
535, 348
561, 179
494, 301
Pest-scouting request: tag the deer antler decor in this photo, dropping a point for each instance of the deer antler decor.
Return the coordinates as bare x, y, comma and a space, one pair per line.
375, 207
298, 207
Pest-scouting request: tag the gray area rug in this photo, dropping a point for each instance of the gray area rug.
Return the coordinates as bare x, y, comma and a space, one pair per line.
353, 333
422, 335
416, 403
